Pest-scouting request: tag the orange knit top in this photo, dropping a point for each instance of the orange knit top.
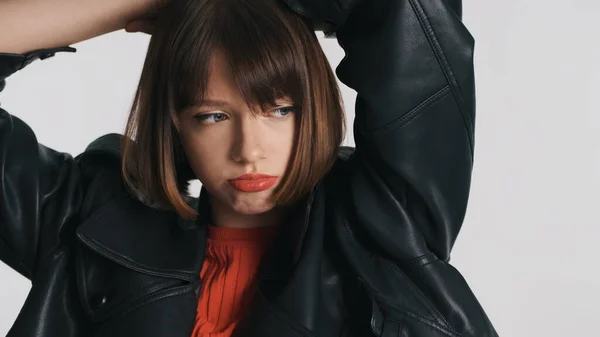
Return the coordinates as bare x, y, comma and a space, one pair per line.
228, 275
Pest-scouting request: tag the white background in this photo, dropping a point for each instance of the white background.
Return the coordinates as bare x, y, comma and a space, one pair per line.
528, 247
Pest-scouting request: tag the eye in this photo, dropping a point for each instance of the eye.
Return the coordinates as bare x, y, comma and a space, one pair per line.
283, 111
211, 118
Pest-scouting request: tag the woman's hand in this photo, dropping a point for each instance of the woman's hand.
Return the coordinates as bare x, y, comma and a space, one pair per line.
41, 24
146, 25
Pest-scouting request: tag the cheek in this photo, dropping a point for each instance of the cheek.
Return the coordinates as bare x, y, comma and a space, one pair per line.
281, 139
204, 154
290, 140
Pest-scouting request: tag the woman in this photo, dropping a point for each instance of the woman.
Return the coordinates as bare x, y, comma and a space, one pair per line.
292, 235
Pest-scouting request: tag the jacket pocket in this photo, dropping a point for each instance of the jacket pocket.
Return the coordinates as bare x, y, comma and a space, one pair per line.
384, 326
392, 328
107, 289
387, 321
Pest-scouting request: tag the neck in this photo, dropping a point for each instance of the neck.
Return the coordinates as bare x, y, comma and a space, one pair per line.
222, 216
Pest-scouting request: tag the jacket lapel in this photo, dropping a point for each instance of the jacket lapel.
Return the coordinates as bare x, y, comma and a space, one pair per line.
145, 239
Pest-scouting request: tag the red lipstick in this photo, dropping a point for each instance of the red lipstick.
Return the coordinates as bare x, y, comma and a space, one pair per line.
253, 182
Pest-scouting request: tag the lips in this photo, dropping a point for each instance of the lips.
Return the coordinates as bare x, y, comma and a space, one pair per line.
253, 182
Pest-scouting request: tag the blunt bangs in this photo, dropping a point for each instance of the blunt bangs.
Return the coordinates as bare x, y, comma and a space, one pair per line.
259, 45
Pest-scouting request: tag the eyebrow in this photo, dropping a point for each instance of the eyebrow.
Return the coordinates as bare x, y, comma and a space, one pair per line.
211, 103
214, 103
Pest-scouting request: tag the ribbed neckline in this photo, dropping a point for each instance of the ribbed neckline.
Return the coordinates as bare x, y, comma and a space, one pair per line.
253, 234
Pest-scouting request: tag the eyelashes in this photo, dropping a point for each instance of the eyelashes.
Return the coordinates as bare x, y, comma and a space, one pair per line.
211, 118
217, 117
289, 109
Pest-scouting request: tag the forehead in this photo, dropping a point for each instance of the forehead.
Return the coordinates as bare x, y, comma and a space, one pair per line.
221, 82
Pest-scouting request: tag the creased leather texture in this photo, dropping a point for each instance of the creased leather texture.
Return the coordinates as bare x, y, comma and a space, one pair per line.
367, 255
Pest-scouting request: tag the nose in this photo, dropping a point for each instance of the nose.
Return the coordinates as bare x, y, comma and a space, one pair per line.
248, 141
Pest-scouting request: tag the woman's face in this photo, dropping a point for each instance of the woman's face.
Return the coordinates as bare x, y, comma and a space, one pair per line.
223, 140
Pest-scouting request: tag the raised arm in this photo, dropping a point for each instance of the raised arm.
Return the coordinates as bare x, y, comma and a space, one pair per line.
42, 190
411, 64
27, 25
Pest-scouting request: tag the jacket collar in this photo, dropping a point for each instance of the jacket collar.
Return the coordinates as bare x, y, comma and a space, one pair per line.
160, 242
144, 239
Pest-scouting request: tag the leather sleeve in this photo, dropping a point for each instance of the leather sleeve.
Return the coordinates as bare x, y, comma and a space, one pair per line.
40, 190
411, 64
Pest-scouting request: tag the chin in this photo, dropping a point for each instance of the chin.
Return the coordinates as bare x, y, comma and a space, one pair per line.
247, 209
251, 203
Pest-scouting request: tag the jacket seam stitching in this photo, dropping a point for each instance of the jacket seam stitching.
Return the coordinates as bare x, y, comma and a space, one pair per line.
442, 320
407, 311
412, 114
128, 263
438, 51
412, 315
444, 65
372, 292
418, 261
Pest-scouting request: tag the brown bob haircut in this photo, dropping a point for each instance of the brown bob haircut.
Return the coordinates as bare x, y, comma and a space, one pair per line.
272, 53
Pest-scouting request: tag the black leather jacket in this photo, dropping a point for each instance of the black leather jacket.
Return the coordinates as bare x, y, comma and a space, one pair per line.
368, 254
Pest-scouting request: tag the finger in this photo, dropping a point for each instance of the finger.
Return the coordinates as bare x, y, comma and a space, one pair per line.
132, 27
145, 26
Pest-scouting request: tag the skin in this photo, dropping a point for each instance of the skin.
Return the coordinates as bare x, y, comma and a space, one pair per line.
225, 141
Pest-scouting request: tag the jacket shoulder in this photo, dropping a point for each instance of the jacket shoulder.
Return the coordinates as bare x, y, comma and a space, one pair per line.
104, 153
100, 165
109, 144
